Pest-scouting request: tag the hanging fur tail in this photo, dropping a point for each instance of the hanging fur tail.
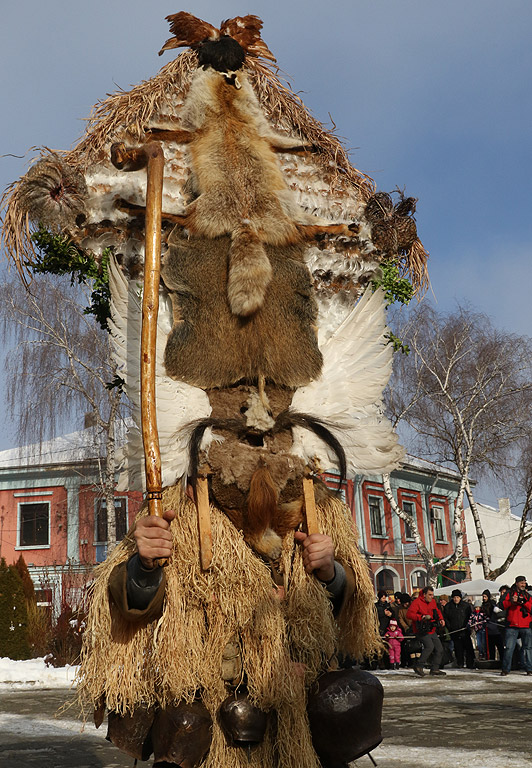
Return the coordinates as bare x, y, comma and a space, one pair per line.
250, 272
261, 509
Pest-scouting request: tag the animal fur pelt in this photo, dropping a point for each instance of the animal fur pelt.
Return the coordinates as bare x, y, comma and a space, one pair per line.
209, 346
180, 655
253, 473
239, 185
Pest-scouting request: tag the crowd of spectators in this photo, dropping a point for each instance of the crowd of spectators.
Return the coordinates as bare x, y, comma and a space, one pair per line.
422, 632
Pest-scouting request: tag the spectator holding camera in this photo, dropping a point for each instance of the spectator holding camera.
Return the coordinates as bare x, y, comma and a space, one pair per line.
425, 617
518, 606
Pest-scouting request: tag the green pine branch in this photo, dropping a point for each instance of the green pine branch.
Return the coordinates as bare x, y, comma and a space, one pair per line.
58, 255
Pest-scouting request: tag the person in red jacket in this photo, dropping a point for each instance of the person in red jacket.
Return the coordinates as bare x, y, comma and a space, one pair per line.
518, 606
425, 616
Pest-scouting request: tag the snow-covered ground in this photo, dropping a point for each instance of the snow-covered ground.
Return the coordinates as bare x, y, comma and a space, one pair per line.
392, 756
433, 705
34, 673
446, 715
31, 674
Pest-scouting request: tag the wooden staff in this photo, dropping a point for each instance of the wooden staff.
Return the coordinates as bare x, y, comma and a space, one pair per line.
310, 506
152, 156
204, 522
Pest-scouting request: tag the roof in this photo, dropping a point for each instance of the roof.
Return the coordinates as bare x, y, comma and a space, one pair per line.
83, 445
414, 462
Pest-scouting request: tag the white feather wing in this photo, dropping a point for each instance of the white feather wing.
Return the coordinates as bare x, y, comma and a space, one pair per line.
177, 403
357, 363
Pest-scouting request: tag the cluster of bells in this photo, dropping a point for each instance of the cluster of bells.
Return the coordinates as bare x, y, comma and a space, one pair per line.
344, 709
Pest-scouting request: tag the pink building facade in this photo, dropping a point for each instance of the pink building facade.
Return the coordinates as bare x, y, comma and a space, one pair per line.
423, 489
53, 514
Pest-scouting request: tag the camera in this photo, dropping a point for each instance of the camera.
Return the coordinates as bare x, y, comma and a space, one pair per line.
522, 595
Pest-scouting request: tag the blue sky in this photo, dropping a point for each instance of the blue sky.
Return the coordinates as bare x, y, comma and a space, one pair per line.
431, 96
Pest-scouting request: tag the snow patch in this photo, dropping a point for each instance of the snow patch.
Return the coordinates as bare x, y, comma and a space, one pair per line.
32, 674
25, 725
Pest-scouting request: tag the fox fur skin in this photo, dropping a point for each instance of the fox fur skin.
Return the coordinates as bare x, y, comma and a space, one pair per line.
237, 182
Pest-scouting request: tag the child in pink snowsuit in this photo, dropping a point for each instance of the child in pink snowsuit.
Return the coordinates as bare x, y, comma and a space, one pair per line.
394, 636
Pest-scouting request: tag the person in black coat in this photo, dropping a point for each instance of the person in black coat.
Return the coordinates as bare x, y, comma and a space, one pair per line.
456, 614
385, 611
494, 636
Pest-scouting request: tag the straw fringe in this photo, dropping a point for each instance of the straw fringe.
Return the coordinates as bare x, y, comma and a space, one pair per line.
181, 654
15, 236
414, 265
294, 741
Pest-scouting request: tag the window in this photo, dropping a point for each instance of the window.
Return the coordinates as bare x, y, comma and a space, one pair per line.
120, 518
34, 524
331, 480
419, 579
439, 523
452, 578
376, 521
408, 507
44, 597
385, 580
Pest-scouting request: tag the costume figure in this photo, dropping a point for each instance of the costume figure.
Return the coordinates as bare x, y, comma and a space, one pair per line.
270, 359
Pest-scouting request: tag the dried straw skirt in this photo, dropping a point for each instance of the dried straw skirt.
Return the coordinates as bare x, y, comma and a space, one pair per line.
179, 655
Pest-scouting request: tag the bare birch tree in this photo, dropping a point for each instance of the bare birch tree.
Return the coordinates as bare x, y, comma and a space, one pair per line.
465, 389
524, 533
432, 566
59, 369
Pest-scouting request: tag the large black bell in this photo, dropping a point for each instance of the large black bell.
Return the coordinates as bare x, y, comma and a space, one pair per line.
181, 735
345, 710
243, 724
131, 732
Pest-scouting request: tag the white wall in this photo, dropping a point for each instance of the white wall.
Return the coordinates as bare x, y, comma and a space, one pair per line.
500, 529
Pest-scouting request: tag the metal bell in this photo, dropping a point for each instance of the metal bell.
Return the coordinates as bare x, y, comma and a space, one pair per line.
345, 710
181, 735
243, 724
131, 732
